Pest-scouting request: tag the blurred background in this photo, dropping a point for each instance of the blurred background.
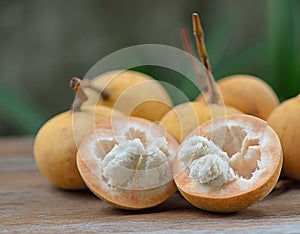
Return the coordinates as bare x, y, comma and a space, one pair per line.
44, 43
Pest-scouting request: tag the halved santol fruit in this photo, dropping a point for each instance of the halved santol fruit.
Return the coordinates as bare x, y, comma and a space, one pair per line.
127, 162
228, 163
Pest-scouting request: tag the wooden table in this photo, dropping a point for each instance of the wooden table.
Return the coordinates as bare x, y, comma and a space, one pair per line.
29, 204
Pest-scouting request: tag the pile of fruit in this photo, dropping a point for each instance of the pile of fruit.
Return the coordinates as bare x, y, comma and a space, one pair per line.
125, 141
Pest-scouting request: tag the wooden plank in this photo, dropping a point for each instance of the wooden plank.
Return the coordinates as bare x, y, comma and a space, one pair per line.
29, 204
16, 145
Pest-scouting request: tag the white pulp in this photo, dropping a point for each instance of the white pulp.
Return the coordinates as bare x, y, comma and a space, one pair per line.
137, 160
207, 163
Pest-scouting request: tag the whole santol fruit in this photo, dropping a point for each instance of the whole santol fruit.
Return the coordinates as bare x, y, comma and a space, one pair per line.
285, 120
133, 93
247, 93
228, 163
127, 162
185, 117
55, 145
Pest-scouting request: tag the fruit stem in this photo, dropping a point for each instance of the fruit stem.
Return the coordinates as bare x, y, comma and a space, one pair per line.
199, 36
188, 48
81, 97
104, 93
77, 85
213, 94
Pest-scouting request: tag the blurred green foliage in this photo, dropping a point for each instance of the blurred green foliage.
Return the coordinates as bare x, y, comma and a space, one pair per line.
44, 43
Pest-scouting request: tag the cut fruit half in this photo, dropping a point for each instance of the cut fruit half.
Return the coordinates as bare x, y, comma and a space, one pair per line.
229, 163
127, 162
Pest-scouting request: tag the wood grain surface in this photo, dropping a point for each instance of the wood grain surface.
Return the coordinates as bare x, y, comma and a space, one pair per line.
29, 204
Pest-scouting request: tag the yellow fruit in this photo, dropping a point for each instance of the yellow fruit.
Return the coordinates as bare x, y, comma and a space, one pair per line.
285, 120
248, 94
132, 93
185, 117
56, 143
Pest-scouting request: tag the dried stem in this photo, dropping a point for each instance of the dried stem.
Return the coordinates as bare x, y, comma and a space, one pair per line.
77, 85
213, 94
104, 93
81, 97
199, 36
188, 48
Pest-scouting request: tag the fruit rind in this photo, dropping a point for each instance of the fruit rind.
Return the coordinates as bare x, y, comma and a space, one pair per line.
185, 117
231, 197
285, 121
247, 93
56, 143
133, 93
90, 168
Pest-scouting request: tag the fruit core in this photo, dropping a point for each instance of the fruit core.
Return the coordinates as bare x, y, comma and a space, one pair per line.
239, 157
135, 159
